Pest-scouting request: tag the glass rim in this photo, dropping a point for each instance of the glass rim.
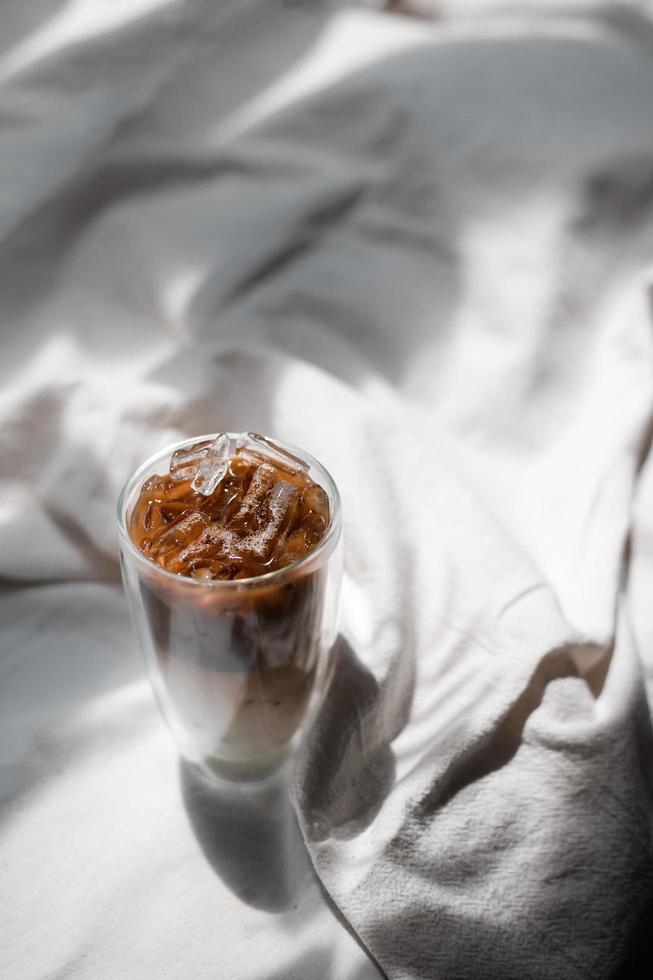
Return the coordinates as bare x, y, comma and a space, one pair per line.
315, 557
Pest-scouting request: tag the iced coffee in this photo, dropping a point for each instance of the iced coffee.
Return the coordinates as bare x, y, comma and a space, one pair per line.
230, 557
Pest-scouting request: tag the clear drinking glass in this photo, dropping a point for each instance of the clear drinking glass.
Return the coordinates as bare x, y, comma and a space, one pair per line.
237, 667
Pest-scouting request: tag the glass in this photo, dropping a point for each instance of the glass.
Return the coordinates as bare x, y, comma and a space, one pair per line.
238, 667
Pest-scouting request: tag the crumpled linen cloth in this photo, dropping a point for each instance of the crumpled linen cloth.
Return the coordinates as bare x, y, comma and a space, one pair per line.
418, 248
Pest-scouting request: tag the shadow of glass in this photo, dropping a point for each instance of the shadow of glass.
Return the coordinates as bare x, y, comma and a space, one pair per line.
321, 966
348, 767
249, 836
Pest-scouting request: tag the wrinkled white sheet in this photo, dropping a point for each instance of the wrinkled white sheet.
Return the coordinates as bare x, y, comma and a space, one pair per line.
420, 250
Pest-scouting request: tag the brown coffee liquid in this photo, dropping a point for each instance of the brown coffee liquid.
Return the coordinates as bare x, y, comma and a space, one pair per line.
261, 517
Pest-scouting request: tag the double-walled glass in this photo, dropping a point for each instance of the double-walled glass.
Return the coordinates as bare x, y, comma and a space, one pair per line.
237, 667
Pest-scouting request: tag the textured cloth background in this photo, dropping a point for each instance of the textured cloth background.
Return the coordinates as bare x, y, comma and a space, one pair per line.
419, 248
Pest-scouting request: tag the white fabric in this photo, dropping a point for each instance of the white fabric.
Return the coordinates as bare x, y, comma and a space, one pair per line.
419, 249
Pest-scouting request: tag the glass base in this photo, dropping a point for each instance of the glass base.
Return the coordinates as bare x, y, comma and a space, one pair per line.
244, 771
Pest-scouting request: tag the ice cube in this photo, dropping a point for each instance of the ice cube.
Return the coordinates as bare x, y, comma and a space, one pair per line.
282, 505
252, 504
271, 533
208, 569
214, 464
295, 547
153, 519
212, 543
183, 533
315, 502
252, 442
184, 462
